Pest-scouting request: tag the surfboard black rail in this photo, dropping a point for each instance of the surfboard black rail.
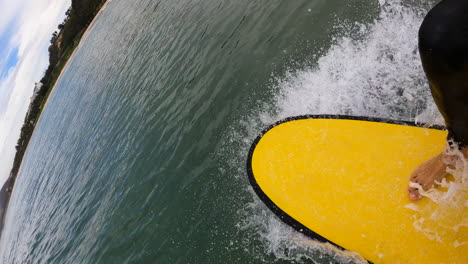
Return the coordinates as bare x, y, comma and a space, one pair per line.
287, 219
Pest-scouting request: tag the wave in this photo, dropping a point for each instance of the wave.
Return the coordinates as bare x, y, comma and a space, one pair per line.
371, 69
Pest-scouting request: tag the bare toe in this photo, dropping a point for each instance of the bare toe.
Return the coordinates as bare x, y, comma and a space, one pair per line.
413, 194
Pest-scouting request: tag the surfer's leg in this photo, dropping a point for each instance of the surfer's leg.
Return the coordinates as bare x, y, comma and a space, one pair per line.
443, 46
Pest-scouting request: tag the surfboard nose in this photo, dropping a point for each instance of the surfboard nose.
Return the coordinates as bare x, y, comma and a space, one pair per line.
344, 181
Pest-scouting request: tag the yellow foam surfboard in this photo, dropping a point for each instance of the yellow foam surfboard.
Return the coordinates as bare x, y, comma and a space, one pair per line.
343, 180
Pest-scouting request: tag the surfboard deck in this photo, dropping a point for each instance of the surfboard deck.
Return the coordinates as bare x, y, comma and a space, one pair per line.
343, 180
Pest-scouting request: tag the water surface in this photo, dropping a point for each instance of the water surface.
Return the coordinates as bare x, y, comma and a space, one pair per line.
140, 154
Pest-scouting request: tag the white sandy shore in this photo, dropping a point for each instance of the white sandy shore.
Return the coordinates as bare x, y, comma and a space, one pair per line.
58, 79
85, 34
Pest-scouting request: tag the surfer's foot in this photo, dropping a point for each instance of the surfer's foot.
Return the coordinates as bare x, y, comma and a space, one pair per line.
428, 174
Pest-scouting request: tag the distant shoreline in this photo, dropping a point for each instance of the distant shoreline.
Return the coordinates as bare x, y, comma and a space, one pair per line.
73, 54
31, 122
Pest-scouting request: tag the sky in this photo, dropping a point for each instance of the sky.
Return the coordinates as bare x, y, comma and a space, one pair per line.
26, 27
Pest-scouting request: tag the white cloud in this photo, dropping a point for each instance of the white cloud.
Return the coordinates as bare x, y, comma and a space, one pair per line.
10, 10
33, 22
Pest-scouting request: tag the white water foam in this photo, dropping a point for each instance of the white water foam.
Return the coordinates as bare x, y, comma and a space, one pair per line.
378, 75
445, 213
285, 243
370, 70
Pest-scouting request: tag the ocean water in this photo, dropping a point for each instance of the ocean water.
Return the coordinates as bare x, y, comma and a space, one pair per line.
140, 154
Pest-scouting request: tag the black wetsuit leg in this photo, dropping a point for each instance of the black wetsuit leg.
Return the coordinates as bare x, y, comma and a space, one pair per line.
443, 46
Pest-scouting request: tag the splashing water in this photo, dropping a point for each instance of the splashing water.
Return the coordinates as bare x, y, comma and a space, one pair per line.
445, 212
370, 70
378, 75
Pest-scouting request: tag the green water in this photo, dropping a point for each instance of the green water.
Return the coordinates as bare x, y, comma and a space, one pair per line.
140, 154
